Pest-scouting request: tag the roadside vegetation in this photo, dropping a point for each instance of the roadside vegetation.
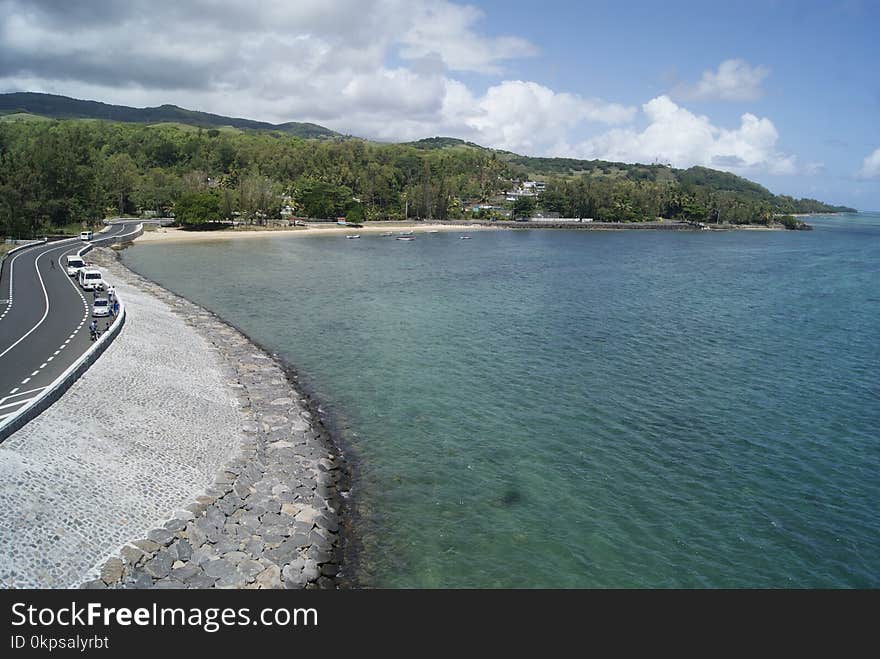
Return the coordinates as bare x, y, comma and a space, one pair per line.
56, 175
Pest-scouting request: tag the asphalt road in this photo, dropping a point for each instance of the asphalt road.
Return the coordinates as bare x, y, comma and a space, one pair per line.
44, 318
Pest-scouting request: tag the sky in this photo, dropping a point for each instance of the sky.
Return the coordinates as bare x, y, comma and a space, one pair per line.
783, 92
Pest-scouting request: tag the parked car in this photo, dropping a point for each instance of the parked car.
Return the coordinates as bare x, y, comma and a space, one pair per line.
74, 264
101, 307
85, 235
90, 279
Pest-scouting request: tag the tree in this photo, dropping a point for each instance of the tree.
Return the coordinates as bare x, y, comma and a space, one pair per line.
523, 207
228, 203
120, 178
553, 199
258, 197
320, 199
195, 209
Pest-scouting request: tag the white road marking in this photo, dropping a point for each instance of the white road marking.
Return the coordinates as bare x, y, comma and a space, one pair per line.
45, 296
17, 403
10, 300
21, 393
43, 318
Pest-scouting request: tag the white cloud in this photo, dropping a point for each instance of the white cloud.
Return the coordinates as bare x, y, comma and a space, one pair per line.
677, 136
446, 30
379, 68
383, 69
735, 80
530, 117
870, 166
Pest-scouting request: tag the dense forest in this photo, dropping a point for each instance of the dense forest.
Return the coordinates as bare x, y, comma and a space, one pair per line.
57, 173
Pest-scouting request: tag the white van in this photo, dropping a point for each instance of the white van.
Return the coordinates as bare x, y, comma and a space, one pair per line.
90, 279
85, 235
74, 264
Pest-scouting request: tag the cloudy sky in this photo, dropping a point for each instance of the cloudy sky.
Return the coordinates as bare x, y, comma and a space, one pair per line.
785, 92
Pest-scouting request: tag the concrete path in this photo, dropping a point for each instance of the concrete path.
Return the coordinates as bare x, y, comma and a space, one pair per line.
141, 434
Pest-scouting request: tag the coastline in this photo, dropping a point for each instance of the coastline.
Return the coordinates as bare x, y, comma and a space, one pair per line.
275, 515
175, 235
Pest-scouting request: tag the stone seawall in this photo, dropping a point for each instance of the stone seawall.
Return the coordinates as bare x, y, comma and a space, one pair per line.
270, 518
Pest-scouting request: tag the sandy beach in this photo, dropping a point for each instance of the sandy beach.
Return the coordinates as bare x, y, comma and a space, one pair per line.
171, 235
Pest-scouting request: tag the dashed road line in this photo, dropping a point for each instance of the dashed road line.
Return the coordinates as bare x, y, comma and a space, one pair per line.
45, 296
12, 393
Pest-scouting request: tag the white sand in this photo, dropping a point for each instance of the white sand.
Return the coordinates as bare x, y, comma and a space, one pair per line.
170, 235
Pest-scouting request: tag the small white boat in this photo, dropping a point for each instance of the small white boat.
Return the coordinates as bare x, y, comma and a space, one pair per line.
386, 234
357, 235
405, 237
464, 237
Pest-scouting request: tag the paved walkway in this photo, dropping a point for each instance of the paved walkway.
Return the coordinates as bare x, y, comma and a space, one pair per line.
140, 435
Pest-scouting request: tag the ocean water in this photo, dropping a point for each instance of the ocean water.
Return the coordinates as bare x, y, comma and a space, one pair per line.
583, 409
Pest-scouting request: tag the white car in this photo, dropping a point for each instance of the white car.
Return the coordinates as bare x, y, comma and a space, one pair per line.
101, 307
74, 264
85, 235
90, 279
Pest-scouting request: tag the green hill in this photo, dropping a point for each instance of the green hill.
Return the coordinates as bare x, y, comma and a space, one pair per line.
119, 160
694, 178
63, 107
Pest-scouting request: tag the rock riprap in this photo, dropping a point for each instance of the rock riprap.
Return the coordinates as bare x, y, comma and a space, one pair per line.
271, 517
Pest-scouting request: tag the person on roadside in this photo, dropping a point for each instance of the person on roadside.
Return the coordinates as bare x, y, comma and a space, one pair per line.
93, 329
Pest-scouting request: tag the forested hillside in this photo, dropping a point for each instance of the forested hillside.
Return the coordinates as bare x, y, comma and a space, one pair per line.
62, 107
56, 173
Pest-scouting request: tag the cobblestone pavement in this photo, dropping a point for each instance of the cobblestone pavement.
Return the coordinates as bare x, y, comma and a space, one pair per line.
139, 435
270, 518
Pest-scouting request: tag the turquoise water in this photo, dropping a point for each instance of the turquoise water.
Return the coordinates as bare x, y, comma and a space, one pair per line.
583, 409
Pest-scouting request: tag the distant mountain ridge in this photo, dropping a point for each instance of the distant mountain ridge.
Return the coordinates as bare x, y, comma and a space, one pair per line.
64, 107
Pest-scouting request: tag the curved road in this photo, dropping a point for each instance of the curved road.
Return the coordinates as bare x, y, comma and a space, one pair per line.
44, 317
